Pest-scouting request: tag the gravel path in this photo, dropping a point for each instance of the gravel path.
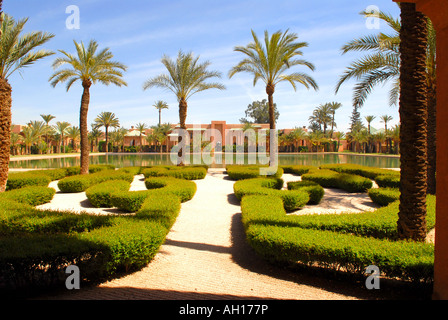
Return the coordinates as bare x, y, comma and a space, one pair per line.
206, 256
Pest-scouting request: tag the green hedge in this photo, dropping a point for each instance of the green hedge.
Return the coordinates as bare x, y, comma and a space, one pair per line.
241, 172
37, 245
132, 201
26, 179
81, 183
298, 169
187, 172
315, 191
100, 194
33, 196
331, 179
367, 172
349, 241
292, 200
388, 181
384, 196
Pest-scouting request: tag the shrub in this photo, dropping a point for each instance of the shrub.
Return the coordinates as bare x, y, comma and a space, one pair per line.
315, 191
367, 172
293, 200
80, 183
132, 201
163, 208
349, 241
388, 181
187, 173
236, 172
33, 196
384, 196
99, 195
331, 179
17, 180
299, 170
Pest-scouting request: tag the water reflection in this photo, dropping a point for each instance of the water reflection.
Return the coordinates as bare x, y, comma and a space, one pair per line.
130, 160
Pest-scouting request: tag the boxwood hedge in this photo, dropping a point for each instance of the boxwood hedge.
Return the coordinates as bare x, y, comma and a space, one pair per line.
293, 200
37, 245
241, 172
187, 172
349, 241
81, 183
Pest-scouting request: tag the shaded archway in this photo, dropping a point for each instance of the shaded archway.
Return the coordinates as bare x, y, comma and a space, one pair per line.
437, 11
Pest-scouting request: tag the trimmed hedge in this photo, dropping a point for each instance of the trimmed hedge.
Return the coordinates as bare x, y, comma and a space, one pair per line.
132, 201
17, 180
315, 191
349, 241
100, 194
299, 170
388, 181
33, 196
37, 245
331, 179
363, 171
292, 200
384, 196
187, 173
241, 172
80, 183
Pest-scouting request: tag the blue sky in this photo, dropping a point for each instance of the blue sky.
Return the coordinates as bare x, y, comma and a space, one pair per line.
140, 32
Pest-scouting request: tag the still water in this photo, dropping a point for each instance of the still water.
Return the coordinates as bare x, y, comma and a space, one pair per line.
129, 160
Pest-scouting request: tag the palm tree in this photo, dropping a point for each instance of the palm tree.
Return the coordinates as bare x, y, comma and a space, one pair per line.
16, 53
47, 118
94, 135
38, 130
186, 76
141, 128
339, 136
413, 114
160, 105
161, 133
369, 120
73, 133
383, 65
298, 135
334, 106
270, 62
386, 119
61, 129
322, 115
107, 120
89, 67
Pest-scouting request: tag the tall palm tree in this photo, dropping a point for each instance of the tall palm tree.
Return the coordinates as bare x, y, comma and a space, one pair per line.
160, 105
413, 113
61, 129
186, 77
369, 120
107, 120
141, 128
270, 62
16, 52
382, 65
47, 118
386, 119
334, 106
89, 67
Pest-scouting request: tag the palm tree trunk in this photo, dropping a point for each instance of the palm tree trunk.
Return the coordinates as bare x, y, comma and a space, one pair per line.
107, 138
270, 89
432, 138
85, 101
5, 131
182, 118
160, 117
413, 113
